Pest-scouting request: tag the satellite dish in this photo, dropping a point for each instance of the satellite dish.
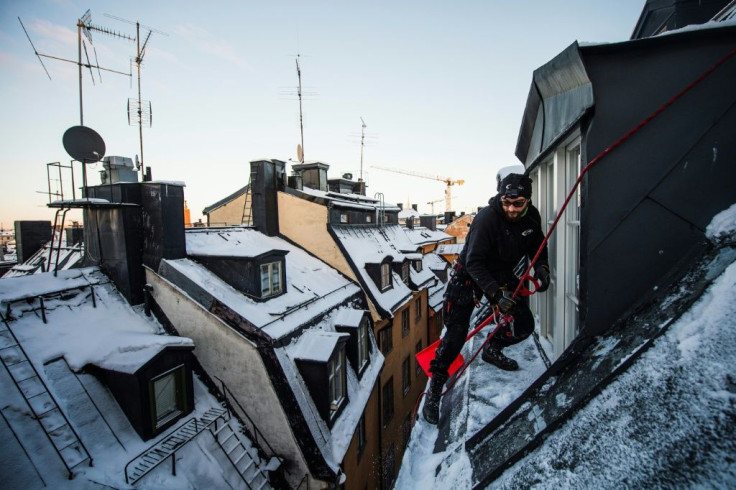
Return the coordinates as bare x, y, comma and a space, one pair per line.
299, 153
84, 144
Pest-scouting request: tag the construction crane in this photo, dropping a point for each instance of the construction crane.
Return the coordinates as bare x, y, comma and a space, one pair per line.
432, 203
448, 181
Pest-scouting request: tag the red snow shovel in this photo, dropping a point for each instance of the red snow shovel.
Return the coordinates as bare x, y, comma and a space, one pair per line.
424, 357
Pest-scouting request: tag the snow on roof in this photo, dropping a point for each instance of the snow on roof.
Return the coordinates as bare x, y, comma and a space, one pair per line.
371, 245
317, 345
676, 400
419, 235
312, 287
408, 213
224, 242
66, 257
333, 442
31, 286
347, 200
722, 225
109, 333
450, 248
349, 317
313, 290
112, 337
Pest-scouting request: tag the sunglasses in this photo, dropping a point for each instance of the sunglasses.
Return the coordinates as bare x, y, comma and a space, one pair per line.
514, 204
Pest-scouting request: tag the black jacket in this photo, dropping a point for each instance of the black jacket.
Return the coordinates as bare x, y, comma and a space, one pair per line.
495, 246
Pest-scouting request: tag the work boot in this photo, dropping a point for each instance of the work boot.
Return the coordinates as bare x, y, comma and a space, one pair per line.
492, 354
432, 397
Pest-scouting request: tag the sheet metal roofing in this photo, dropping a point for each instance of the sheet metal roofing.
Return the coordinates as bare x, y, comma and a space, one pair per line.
312, 287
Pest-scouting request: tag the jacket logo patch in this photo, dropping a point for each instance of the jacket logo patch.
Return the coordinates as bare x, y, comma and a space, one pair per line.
527, 232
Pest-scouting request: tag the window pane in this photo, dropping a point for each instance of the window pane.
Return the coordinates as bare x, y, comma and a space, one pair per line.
388, 401
405, 375
276, 277
265, 284
362, 343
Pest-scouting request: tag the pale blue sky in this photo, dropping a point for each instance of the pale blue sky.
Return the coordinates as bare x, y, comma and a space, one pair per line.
440, 85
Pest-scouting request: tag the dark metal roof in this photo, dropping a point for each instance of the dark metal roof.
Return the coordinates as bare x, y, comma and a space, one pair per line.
226, 200
664, 15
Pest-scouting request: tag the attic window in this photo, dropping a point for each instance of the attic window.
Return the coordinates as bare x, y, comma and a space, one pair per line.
363, 344
343, 217
336, 379
405, 272
418, 265
320, 357
167, 396
271, 283
368, 218
385, 276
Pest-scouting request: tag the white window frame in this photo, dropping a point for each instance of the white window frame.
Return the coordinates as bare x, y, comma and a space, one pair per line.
385, 276
171, 381
336, 380
363, 344
269, 272
572, 244
557, 308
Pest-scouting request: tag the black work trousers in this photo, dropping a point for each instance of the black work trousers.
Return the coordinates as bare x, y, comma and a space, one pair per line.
458, 307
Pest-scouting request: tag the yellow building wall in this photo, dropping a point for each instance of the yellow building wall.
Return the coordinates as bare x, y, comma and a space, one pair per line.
404, 347
305, 223
229, 214
364, 471
460, 227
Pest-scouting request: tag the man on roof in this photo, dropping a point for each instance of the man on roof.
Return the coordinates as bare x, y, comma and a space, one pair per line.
503, 238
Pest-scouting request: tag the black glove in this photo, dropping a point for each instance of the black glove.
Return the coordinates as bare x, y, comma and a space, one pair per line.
503, 299
542, 275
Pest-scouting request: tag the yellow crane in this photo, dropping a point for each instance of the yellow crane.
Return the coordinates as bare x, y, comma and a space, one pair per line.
448, 181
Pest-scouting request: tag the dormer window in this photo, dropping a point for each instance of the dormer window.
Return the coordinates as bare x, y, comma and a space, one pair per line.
336, 379
321, 358
271, 279
385, 276
357, 324
402, 269
363, 344
260, 277
418, 265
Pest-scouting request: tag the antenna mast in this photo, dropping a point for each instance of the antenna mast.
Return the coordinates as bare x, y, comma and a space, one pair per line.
362, 144
141, 110
83, 26
301, 121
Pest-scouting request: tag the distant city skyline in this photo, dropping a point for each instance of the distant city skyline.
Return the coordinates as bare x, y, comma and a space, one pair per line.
441, 89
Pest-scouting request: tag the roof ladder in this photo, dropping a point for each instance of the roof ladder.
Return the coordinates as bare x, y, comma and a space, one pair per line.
158, 453
43, 405
245, 461
248, 204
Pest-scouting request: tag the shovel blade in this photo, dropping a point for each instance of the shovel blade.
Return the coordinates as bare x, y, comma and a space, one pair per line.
425, 356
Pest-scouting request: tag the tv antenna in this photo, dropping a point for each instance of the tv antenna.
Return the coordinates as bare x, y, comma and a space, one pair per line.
139, 111
85, 27
300, 149
362, 144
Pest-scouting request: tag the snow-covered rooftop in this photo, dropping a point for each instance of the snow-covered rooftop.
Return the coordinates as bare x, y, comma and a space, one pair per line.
80, 331
420, 235
371, 245
312, 287
665, 422
316, 298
